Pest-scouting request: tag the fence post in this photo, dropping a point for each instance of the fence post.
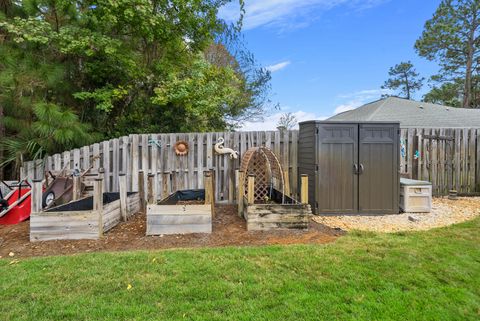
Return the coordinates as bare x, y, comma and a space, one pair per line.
98, 203
36, 196
240, 192
304, 189
77, 188
141, 191
209, 197
150, 182
122, 185
251, 189
286, 186
231, 188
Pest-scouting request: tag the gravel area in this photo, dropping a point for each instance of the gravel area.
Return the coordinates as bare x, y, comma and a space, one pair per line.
444, 212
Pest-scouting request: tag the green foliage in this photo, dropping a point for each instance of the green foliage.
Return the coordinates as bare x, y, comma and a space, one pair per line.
448, 94
404, 79
52, 128
452, 38
125, 67
200, 96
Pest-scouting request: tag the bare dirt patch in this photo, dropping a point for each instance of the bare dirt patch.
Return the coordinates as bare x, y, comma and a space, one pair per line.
444, 212
228, 230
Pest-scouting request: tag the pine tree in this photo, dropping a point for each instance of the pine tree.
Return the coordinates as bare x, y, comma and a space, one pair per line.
452, 38
405, 79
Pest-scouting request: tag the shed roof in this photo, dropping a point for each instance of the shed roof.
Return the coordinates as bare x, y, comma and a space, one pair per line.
412, 113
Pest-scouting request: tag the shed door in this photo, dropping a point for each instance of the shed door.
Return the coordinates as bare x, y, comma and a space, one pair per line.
378, 161
337, 182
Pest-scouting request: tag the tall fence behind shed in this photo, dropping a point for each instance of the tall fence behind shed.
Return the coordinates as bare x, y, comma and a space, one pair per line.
449, 158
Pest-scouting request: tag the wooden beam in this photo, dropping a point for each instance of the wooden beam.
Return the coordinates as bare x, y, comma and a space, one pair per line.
240, 192
209, 192
98, 203
141, 191
77, 188
36, 196
150, 188
251, 189
286, 186
122, 181
304, 189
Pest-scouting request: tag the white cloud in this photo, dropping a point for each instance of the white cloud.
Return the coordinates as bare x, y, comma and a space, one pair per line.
277, 67
359, 98
345, 107
287, 13
270, 122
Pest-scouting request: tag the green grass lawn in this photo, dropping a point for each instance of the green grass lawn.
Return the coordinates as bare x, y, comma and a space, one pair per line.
426, 275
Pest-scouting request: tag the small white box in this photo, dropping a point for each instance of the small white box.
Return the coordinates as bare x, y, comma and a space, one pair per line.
415, 196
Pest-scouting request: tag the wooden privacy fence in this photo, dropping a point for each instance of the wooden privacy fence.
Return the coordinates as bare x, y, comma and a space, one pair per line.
449, 158
155, 154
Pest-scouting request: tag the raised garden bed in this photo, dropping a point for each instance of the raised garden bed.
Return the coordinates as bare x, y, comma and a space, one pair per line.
183, 212
263, 194
273, 215
82, 219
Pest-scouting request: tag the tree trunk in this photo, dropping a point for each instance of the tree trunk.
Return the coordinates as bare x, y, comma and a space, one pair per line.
467, 87
407, 86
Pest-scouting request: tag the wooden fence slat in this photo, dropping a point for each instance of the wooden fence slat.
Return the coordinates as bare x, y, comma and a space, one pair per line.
115, 164
477, 179
106, 165
135, 162
471, 160
409, 151
76, 159
126, 161
191, 179
457, 163
294, 165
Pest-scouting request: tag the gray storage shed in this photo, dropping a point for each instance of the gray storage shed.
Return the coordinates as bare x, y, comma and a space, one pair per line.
353, 167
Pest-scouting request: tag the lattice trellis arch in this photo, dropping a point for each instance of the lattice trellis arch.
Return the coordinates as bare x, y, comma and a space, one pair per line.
265, 166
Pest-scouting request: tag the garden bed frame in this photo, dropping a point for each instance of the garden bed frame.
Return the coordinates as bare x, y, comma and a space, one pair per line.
264, 194
279, 213
87, 218
168, 217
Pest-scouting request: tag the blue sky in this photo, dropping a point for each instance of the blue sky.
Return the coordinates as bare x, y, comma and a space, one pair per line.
328, 56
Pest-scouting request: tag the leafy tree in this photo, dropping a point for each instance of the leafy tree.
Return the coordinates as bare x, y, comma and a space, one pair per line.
52, 127
451, 37
287, 121
403, 77
155, 66
448, 94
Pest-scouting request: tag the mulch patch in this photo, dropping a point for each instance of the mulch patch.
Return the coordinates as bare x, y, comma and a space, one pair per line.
228, 230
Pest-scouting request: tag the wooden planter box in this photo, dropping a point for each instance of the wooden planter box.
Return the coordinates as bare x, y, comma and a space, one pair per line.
265, 217
168, 217
77, 220
281, 213
179, 219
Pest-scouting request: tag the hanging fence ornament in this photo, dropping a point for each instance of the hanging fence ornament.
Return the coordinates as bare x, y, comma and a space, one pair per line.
181, 148
416, 155
220, 149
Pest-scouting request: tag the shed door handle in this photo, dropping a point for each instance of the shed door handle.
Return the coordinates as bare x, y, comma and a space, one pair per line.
355, 169
362, 168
